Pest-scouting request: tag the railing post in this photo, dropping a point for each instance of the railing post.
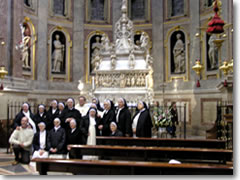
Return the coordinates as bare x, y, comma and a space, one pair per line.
185, 123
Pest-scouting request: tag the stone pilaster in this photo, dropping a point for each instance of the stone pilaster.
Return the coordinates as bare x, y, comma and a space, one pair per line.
78, 64
158, 43
42, 48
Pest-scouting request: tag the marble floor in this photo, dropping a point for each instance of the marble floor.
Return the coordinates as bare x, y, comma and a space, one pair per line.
6, 167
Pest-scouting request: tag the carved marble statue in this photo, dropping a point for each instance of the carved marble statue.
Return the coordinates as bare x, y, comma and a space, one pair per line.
97, 44
25, 52
150, 79
106, 45
144, 41
128, 81
138, 83
96, 59
58, 54
122, 81
113, 59
149, 60
131, 59
24, 47
212, 52
179, 55
143, 81
133, 81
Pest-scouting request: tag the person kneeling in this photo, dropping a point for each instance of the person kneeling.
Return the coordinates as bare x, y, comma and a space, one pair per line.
40, 142
21, 139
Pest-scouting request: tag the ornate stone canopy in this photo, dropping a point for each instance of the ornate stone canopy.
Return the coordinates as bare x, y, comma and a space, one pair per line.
122, 67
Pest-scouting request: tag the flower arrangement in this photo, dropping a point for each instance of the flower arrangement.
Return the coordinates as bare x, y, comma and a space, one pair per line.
162, 117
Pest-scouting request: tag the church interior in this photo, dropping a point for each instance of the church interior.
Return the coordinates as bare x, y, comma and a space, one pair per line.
168, 62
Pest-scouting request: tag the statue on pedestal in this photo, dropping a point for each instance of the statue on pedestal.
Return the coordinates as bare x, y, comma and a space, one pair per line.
131, 59
96, 59
144, 41
25, 52
24, 46
113, 59
179, 55
212, 52
122, 81
128, 81
133, 81
58, 54
105, 45
149, 60
138, 83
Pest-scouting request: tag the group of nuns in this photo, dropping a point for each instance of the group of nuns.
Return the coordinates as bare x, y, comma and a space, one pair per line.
63, 125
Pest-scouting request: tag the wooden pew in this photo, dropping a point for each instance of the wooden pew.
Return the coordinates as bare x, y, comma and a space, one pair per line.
158, 142
103, 167
155, 153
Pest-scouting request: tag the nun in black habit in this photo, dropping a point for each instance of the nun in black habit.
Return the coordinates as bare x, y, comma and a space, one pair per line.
97, 102
123, 118
56, 139
108, 117
52, 113
71, 113
25, 112
90, 119
41, 115
74, 136
142, 123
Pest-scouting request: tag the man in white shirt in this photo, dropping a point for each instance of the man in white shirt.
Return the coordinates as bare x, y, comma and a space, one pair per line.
21, 139
82, 107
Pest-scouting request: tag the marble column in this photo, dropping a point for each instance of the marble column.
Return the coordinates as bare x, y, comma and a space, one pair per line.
78, 63
158, 43
42, 48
